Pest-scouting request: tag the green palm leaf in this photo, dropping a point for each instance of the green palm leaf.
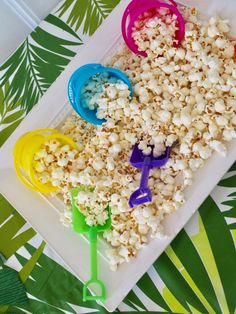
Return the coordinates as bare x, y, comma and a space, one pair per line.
231, 212
11, 224
38, 62
199, 262
233, 168
184, 249
90, 13
134, 302
10, 114
24, 275
12, 290
198, 272
7, 131
149, 289
12, 238
55, 288
174, 281
229, 181
222, 247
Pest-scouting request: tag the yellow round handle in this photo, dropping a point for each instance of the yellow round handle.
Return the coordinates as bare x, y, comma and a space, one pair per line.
20, 158
24, 150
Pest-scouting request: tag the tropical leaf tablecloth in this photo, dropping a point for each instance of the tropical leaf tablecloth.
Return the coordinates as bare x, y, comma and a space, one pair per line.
197, 272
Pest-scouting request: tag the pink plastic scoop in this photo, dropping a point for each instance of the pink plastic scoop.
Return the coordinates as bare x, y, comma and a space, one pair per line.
138, 7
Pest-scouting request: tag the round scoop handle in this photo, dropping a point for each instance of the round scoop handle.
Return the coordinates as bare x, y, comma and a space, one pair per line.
94, 270
96, 282
136, 197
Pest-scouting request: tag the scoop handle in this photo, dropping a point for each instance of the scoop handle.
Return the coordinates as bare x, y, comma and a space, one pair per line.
136, 197
145, 173
94, 270
93, 252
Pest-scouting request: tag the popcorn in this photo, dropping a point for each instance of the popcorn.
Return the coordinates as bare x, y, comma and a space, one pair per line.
220, 43
220, 106
51, 164
58, 173
48, 159
178, 197
221, 120
195, 164
52, 145
205, 152
124, 252
93, 205
229, 52
161, 28
55, 182
66, 218
218, 147
44, 178
40, 167
42, 153
228, 135
212, 31
98, 164
116, 148
233, 91
183, 97
113, 137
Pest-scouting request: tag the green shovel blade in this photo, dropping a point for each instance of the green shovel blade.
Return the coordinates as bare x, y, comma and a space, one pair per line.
78, 219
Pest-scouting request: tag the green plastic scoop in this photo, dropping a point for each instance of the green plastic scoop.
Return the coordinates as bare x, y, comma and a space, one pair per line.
80, 226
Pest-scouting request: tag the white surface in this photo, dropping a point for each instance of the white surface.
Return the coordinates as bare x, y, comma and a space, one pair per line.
12, 31
41, 215
40, 7
18, 19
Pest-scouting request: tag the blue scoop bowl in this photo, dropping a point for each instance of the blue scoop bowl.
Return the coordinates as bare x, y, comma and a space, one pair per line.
77, 81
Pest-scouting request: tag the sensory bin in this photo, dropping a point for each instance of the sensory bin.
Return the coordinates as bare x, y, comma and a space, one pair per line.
184, 97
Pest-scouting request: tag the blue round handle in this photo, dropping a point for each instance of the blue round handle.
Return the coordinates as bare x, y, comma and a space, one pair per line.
77, 81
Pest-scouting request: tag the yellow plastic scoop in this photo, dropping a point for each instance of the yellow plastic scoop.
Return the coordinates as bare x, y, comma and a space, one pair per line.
24, 150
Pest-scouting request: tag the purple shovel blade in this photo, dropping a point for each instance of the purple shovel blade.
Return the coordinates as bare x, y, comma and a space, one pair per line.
137, 158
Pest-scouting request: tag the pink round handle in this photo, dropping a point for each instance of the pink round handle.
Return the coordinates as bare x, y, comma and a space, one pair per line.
129, 40
135, 9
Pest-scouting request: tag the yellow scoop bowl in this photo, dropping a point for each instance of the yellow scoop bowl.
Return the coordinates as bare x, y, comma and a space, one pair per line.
23, 153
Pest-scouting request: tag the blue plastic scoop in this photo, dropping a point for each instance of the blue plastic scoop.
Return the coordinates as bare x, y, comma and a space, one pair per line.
78, 81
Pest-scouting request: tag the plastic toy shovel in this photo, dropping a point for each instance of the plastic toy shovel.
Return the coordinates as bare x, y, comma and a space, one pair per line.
138, 160
80, 226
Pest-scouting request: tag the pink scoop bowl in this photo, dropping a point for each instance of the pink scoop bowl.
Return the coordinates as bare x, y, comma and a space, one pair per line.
138, 7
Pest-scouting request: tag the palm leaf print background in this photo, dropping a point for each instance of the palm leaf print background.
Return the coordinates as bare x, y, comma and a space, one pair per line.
196, 274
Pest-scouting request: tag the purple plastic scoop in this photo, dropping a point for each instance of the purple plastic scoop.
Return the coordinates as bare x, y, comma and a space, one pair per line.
138, 160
